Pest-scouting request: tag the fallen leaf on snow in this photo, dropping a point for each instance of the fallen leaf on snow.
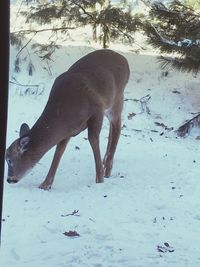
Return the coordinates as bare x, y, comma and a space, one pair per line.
131, 115
71, 234
166, 248
74, 213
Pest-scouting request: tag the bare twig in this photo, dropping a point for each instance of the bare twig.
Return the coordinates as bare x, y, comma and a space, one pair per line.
48, 68
186, 127
25, 45
24, 85
37, 31
144, 100
129, 99
129, 37
43, 30
82, 8
74, 213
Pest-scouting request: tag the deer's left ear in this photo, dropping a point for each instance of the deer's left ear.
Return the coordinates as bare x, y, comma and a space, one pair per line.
23, 144
24, 129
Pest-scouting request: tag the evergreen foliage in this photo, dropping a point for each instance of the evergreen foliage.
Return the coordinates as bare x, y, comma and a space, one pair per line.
114, 22
108, 23
175, 28
195, 4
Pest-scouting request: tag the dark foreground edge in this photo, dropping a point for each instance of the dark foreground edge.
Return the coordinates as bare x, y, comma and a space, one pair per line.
4, 71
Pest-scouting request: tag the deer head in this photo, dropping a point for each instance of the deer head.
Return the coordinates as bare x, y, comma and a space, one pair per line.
17, 156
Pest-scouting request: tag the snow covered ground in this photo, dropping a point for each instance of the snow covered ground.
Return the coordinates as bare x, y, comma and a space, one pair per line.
147, 214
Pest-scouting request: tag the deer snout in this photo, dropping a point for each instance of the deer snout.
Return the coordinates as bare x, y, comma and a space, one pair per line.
12, 180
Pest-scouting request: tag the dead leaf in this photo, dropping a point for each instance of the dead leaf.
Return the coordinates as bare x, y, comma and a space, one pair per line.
176, 92
166, 248
74, 213
160, 124
131, 115
71, 234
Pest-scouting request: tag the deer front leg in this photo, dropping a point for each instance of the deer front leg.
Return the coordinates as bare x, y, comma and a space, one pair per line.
94, 128
60, 148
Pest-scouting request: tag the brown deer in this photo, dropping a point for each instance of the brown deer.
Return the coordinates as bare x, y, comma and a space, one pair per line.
79, 98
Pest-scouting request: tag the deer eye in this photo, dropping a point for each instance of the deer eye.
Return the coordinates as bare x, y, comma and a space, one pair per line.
9, 161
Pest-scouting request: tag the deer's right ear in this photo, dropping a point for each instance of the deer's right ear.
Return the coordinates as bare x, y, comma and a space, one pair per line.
24, 129
23, 144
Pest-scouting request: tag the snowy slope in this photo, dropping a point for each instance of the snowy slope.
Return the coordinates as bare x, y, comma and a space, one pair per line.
152, 197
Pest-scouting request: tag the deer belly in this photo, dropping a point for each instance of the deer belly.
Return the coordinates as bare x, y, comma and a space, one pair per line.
79, 129
109, 114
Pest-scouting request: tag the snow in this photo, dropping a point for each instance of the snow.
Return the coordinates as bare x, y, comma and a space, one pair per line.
152, 198
187, 43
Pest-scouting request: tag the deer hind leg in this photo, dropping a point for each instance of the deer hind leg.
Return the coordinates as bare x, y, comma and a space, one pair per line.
94, 128
60, 148
114, 117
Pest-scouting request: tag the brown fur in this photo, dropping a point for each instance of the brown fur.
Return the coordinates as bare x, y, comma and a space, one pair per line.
79, 98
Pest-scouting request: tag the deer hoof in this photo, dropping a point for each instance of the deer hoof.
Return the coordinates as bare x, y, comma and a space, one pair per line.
45, 186
107, 172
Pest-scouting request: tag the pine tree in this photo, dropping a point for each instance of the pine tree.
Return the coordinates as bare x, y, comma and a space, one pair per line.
175, 28
114, 22
108, 23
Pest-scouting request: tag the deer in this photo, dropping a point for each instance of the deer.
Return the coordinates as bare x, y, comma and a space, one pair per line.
79, 98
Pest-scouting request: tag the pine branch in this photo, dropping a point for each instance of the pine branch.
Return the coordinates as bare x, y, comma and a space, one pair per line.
158, 41
83, 9
127, 35
186, 127
190, 10
24, 85
187, 48
36, 32
25, 45
43, 30
182, 64
176, 21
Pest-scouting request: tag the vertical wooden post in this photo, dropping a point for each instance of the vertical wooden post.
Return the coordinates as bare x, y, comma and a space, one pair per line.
4, 74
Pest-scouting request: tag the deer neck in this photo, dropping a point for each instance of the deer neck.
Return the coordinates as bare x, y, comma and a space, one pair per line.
42, 139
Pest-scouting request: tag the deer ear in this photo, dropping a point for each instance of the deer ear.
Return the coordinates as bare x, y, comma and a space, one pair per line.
24, 129
23, 144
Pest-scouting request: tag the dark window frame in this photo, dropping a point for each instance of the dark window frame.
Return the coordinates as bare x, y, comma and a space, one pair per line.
4, 79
